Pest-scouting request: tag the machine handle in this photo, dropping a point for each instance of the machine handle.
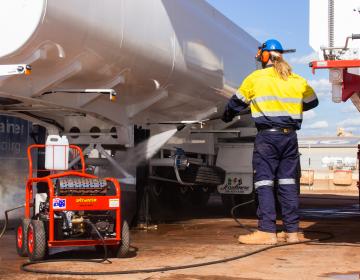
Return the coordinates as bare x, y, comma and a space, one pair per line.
355, 36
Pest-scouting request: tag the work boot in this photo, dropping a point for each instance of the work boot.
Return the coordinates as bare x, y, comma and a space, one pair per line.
259, 238
292, 237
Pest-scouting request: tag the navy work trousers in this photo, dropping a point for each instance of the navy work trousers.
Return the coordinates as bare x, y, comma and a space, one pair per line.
275, 161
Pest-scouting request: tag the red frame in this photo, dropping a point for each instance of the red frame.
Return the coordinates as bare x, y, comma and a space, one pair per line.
326, 64
358, 183
351, 82
92, 203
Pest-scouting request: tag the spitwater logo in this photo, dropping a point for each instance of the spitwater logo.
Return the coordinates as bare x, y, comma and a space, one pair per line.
59, 203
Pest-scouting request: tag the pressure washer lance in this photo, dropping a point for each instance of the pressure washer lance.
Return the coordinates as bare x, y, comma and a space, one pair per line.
7, 218
180, 125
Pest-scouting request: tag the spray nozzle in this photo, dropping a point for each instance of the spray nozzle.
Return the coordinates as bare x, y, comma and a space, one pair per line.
180, 127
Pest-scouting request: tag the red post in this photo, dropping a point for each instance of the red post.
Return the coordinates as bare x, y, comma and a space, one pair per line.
358, 183
118, 210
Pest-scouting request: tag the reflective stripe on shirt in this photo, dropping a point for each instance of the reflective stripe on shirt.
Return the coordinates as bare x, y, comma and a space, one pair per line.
276, 98
242, 97
275, 102
310, 98
276, 114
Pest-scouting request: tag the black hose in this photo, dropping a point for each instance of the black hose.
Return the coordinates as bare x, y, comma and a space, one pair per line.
104, 259
236, 219
7, 219
25, 266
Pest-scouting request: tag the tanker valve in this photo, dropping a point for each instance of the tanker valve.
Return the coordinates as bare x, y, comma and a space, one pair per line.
27, 70
113, 96
24, 69
181, 161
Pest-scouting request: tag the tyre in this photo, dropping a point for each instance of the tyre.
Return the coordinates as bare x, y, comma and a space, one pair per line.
21, 237
37, 241
203, 175
163, 196
122, 250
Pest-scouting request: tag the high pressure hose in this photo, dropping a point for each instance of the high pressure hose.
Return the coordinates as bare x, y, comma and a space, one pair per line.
102, 260
232, 212
7, 219
26, 266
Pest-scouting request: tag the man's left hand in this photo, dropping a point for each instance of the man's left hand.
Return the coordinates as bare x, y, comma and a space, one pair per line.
227, 116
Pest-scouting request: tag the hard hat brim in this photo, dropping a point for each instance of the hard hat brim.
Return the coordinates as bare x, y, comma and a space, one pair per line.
289, 51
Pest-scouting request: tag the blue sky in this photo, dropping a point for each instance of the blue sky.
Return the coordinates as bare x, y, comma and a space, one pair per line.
288, 21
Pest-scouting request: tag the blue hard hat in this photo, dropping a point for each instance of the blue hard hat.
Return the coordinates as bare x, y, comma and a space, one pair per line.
272, 45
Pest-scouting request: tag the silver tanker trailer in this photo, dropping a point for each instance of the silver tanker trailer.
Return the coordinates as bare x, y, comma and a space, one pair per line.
167, 62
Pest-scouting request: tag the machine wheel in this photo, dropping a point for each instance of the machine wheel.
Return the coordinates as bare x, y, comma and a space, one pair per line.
124, 247
37, 241
21, 237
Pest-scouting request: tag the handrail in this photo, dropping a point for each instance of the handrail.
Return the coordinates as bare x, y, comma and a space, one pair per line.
42, 146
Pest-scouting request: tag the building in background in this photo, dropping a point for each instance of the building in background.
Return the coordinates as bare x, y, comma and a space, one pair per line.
329, 162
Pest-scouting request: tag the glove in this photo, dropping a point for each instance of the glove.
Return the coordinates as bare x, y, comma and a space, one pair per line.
227, 116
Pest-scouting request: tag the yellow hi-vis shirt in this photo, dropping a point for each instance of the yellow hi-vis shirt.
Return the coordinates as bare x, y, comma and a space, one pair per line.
275, 102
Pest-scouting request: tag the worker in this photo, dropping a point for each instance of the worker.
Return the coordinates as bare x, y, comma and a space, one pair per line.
277, 98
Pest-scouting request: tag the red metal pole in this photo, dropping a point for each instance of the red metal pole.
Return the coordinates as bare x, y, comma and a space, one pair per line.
358, 183
51, 211
28, 198
81, 156
118, 210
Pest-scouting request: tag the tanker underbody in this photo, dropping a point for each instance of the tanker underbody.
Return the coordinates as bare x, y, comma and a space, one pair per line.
172, 170
165, 73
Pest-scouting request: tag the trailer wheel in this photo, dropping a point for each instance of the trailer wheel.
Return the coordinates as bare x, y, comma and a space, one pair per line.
37, 241
163, 197
21, 237
194, 198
